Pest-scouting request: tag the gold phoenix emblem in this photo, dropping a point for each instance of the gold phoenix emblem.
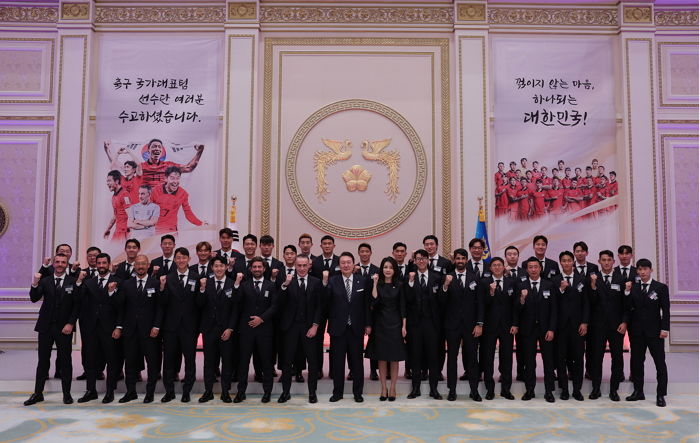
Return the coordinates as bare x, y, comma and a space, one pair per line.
373, 151
323, 159
356, 178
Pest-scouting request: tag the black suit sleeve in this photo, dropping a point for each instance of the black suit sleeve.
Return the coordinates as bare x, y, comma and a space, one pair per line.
665, 304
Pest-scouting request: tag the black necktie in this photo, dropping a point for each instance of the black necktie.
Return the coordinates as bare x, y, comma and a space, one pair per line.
498, 285
202, 270
128, 269
326, 264
476, 268
624, 273
607, 280
644, 288
302, 285
140, 288
58, 282
102, 282
580, 269
461, 282
247, 263
534, 286
422, 280
514, 272
364, 271
166, 265
182, 279
257, 286
401, 268
432, 263
225, 256
218, 286
568, 279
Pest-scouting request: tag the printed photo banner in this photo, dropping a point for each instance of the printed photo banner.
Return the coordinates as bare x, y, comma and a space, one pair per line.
554, 159
157, 142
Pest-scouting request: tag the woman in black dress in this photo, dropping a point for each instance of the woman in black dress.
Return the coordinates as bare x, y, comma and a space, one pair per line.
389, 324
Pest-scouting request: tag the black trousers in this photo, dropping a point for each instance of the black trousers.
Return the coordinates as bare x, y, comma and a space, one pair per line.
519, 356
294, 342
570, 353
638, 348
178, 344
99, 342
470, 346
217, 351
487, 353
424, 342
530, 342
63, 358
347, 344
600, 336
136, 347
263, 344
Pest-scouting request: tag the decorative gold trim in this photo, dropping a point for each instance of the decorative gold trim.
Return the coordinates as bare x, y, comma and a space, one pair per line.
636, 14
53, 50
29, 14
353, 14
4, 218
471, 12
75, 11
659, 68
676, 17
342, 231
242, 11
552, 16
26, 117
160, 14
678, 122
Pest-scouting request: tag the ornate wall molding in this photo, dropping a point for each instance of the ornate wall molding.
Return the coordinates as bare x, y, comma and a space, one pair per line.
675, 17
636, 14
553, 16
160, 14
470, 12
75, 11
29, 14
242, 11
352, 14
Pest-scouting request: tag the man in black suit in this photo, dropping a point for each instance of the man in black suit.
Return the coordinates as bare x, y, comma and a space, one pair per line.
55, 324
180, 324
367, 269
301, 309
73, 269
250, 247
125, 269
499, 294
216, 302
347, 325
585, 268
476, 266
164, 264
267, 244
226, 238
255, 313
464, 319
516, 272
289, 256
141, 319
398, 251
572, 324
203, 266
305, 244
441, 265
626, 269
100, 311
608, 324
549, 268
327, 261
90, 271
649, 313
424, 323
538, 321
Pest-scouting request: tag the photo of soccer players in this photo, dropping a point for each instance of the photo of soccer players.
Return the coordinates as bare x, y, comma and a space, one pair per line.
526, 192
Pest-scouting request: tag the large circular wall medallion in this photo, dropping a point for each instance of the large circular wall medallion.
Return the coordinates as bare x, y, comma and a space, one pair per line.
4, 219
356, 169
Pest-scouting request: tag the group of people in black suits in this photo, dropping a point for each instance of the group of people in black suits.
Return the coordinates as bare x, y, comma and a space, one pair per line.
422, 308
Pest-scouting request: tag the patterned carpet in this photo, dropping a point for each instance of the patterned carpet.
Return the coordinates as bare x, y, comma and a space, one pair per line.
420, 420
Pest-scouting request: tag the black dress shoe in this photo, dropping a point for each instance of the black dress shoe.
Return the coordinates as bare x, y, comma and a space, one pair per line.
613, 396
101, 375
408, 374
464, 377
391, 398
474, 395
108, 398
226, 397
334, 398
81, 377
595, 394
128, 397
549, 397
452, 395
660, 401
507, 395
313, 398
299, 378
185, 397
67, 399
240, 396
564, 395
576, 395
169, 396
148, 398
284, 397
414, 393
382, 397
89, 395
359, 399
34, 398
266, 397
435, 394
636, 395
206, 396
528, 395
490, 395
373, 376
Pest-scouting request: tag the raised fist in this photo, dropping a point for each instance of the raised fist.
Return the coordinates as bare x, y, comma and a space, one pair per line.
275, 272
82, 276
155, 270
111, 286
113, 268
231, 262
203, 283
325, 275
564, 284
594, 278
375, 278
75, 266
492, 288
47, 261
628, 286
162, 282
239, 277
411, 276
288, 280
35, 280
448, 280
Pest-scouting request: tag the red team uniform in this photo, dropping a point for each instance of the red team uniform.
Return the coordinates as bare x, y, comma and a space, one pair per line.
154, 173
512, 193
576, 205
538, 202
120, 201
556, 206
132, 187
524, 204
501, 199
169, 207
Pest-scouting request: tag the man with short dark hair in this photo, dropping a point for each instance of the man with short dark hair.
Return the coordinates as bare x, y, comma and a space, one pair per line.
165, 263
305, 244
125, 269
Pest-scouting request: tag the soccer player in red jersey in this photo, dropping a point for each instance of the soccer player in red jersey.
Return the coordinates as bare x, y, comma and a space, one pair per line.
512, 173
513, 199
154, 169
171, 197
524, 200
573, 197
498, 177
538, 196
120, 201
536, 174
566, 181
546, 181
555, 196
502, 197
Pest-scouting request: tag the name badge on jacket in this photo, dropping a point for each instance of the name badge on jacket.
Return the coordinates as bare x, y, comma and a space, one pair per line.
579, 288
68, 289
229, 293
267, 294
653, 296
487, 274
510, 291
150, 292
472, 285
545, 294
615, 287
